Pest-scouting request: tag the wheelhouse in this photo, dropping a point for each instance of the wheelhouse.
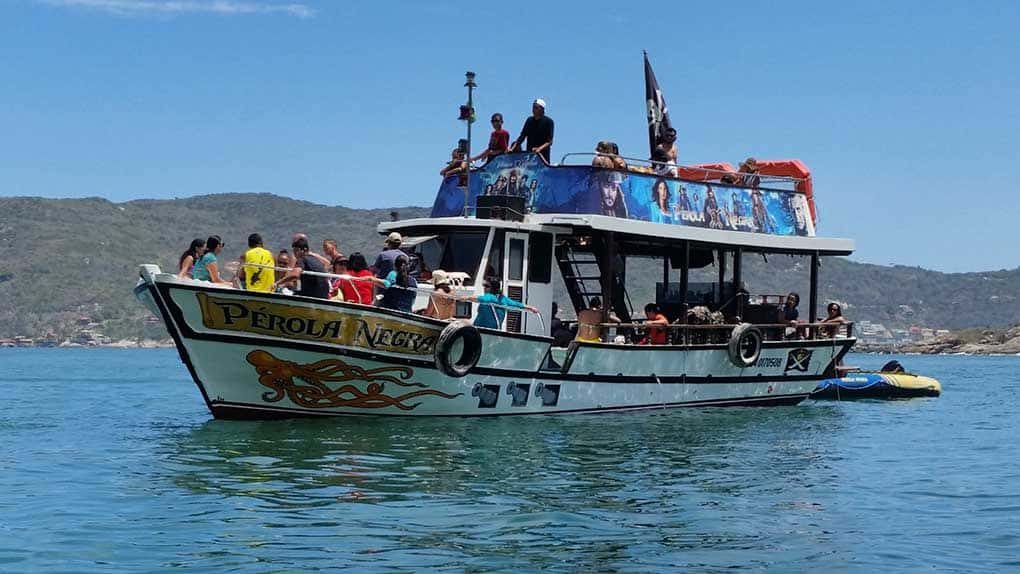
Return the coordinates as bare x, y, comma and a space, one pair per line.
529, 238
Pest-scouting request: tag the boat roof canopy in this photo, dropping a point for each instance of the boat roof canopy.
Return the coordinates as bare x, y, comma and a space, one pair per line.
632, 237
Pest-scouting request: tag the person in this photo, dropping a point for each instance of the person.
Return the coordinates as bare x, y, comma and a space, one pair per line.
358, 291
256, 278
749, 170
456, 164
538, 129
602, 155
310, 285
339, 267
589, 322
656, 325
614, 156
207, 267
489, 315
834, 319
398, 286
329, 253
669, 143
189, 257
441, 304
661, 164
557, 330
499, 139
384, 261
661, 202
283, 261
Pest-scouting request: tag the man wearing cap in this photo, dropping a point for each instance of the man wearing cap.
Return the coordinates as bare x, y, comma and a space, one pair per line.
384, 262
538, 129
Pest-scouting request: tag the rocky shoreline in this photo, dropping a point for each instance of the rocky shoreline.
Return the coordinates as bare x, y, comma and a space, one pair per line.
989, 342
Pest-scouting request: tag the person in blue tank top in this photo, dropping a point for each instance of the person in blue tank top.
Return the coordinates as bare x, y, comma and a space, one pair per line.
489, 315
399, 287
207, 267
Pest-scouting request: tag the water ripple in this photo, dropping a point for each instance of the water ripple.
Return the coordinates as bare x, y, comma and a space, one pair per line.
127, 472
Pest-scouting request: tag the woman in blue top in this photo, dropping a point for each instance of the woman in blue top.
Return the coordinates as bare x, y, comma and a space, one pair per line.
206, 268
399, 286
490, 316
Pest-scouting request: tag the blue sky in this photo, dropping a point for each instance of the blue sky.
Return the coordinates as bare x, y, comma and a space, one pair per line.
906, 112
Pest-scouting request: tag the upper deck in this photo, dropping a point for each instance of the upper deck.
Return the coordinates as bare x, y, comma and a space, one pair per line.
643, 207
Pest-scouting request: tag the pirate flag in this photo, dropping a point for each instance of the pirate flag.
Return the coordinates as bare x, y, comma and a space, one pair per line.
658, 113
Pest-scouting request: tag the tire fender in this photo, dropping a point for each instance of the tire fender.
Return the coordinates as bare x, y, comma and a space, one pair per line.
472, 349
745, 345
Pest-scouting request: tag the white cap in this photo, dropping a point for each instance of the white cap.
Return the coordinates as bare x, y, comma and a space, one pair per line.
394, 238
539, 102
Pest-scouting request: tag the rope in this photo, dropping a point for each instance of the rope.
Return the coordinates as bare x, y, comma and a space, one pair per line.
431, 292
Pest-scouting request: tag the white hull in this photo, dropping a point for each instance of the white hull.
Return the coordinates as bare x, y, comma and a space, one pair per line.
342, 359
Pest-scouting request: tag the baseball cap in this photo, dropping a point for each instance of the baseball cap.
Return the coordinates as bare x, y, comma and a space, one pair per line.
539, 102
394, 237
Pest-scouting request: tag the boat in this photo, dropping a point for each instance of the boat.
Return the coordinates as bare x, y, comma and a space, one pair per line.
889, 382
522, 220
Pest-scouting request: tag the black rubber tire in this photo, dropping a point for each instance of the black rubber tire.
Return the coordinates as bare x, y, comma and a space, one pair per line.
743, 335
472, 341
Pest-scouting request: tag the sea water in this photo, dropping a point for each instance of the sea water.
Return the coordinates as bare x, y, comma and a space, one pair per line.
110, 462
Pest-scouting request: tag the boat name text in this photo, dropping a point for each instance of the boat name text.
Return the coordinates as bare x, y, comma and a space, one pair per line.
311, 324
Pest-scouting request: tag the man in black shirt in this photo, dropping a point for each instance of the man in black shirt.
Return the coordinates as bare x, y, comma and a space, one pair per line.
538, 129
311, 285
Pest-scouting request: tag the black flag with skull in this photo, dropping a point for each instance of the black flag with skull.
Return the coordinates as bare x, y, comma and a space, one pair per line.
658, 113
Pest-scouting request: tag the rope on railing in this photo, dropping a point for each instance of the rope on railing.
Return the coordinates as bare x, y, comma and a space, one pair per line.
430, 292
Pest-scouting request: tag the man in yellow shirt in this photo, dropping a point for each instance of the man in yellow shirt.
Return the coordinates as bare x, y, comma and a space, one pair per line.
257, 278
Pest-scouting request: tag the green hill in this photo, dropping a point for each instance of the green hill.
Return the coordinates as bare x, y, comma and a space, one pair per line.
75, 260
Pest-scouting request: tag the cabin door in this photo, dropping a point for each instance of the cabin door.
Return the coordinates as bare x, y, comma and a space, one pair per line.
515, 273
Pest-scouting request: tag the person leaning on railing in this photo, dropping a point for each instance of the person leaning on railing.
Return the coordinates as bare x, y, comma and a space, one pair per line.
656, 325
456, 165
499, 139
834, 321
490, 315
310, 285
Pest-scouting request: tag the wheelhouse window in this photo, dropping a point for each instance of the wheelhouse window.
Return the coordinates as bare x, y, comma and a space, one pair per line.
515, 269
540, 258
462, 252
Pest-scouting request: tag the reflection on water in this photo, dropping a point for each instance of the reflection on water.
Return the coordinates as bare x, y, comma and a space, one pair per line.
517, 489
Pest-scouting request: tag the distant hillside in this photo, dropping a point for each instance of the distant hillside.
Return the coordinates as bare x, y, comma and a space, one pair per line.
68, 259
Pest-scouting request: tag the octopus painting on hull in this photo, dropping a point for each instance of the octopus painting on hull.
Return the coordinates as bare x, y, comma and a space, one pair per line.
306, 385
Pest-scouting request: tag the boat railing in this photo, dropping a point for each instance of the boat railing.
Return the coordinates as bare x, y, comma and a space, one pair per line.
769, 182
431, 292
695, 334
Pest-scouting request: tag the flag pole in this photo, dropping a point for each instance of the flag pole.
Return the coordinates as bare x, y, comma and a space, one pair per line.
470, 84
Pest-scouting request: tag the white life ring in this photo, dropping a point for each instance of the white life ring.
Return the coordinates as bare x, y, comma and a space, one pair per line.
745, 345
458, 360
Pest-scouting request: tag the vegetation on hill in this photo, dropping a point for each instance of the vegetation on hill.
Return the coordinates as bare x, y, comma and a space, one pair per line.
67, 260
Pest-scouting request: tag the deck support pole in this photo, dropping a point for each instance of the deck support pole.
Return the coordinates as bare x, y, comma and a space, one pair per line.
684, 267
738, 255
722, 276
608, 275
813, 301
665, 273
